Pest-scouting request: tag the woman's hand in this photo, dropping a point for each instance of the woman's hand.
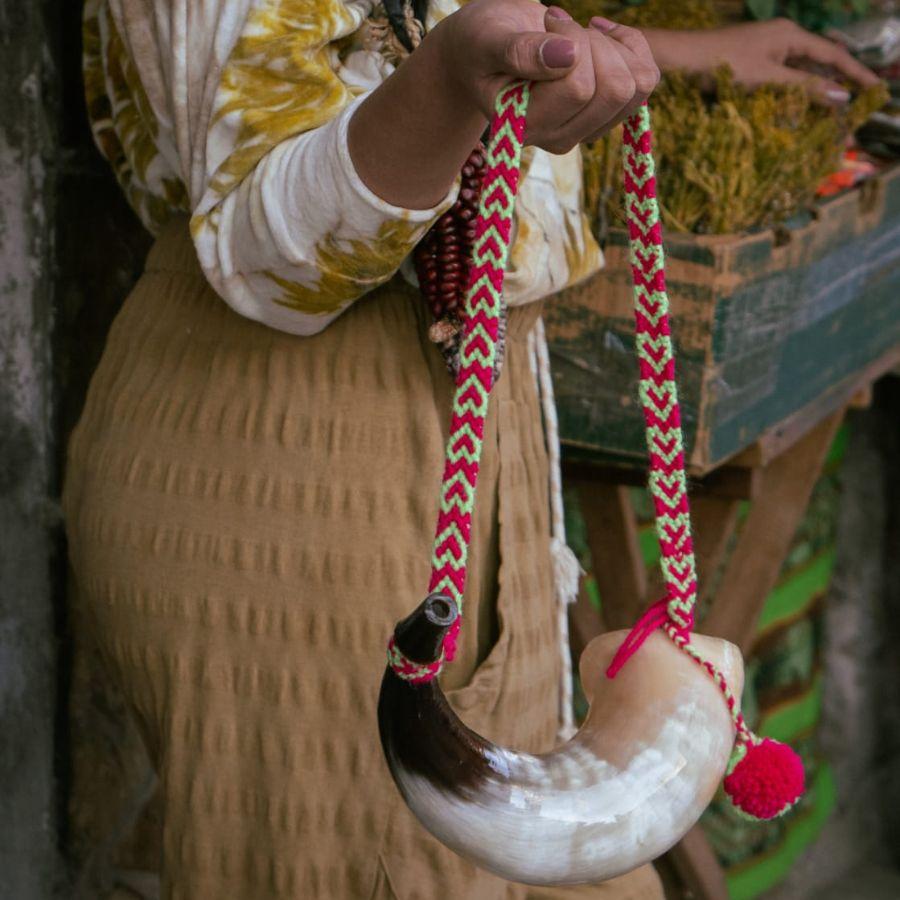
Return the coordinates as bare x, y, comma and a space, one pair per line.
587, 79
410, 137
760, 53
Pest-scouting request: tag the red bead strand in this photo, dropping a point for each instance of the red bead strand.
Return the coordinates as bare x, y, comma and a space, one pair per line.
442, 256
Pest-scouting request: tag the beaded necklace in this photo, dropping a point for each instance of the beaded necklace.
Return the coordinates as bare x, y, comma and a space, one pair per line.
441, 261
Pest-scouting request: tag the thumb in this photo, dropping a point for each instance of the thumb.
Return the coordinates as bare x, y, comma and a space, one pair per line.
536, 56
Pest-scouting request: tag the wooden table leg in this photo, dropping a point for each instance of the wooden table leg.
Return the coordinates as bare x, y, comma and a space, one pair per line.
622, 577
612, 537
752, 571
754, 566
781, 493
714, 520
697, 867
585, 623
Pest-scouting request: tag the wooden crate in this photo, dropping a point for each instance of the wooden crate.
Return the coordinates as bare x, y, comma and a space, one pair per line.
771, 328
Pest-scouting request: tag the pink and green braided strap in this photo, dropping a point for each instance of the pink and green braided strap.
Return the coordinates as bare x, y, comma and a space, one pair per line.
764, 778
482, 310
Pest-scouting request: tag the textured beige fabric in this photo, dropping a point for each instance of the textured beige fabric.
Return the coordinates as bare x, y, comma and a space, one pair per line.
248, 514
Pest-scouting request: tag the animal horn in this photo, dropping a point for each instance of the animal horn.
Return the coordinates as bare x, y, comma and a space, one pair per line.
631, 782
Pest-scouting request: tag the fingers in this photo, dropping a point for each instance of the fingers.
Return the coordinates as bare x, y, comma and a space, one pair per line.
821, 50
612, 74
641, 64
624, 69
535, 56
617, 94
554, 106
602, 83
581, 83
823, 90
631, 38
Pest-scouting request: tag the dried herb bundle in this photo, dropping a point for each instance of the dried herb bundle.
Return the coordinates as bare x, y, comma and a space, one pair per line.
730, 160
733, 161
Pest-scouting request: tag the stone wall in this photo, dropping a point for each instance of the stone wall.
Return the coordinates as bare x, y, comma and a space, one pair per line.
99, 253
28, 519
69, 251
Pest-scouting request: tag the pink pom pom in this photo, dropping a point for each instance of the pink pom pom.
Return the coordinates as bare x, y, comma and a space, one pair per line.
766, 780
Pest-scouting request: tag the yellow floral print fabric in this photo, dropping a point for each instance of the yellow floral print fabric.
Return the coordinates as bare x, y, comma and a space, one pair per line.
235, 112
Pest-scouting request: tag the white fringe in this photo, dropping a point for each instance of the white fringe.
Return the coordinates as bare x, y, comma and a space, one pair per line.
567, 570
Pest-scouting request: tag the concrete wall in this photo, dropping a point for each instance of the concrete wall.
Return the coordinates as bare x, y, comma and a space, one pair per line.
70, 249
28, 858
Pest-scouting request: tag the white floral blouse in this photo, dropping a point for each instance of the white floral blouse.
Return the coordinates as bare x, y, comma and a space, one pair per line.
235, 112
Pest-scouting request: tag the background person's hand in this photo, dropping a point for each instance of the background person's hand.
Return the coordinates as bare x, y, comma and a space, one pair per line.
763, 53
587, 79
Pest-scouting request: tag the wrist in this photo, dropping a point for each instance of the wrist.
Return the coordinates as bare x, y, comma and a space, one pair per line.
682, 51
452, 73
409, 139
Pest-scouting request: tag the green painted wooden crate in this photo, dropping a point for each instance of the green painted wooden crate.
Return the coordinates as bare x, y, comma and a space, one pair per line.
767, 326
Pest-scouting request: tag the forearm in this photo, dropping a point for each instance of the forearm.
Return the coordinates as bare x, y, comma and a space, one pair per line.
771, 52
410, 137
685, 51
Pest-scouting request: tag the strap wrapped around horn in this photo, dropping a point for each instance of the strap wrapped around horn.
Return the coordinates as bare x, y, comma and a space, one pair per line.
658, 738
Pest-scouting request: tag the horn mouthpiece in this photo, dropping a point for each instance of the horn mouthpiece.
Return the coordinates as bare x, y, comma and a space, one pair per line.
420, 636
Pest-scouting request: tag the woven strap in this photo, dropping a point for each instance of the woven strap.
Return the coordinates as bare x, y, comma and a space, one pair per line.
482, 311
765, 778
658, 392
656, 360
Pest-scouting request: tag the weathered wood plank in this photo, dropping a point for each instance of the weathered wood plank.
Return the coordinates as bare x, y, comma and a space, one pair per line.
763, 327
775, 440
694, 860
715, 518
754, 566
612, 536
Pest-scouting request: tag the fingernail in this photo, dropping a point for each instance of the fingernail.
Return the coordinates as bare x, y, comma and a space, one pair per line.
838, 95
557, 53
603, 24
556, 13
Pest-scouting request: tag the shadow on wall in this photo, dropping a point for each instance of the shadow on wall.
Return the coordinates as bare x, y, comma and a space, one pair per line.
69, 251
100, 251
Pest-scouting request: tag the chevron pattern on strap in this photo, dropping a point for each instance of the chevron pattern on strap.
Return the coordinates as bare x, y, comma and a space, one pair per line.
481, 322
765, 778
656, 360
658, 393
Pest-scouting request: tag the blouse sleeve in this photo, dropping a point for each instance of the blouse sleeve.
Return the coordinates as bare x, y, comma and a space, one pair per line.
239, 102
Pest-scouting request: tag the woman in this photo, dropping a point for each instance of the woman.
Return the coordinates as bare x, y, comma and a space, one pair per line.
250, 494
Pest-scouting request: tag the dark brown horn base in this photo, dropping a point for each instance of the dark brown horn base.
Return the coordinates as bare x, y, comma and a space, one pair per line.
419, 731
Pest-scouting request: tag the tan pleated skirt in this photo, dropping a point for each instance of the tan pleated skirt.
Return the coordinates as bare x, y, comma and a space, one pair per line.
249, 513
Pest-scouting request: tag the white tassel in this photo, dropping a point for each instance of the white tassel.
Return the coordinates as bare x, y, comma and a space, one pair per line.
566, 576
567, 570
